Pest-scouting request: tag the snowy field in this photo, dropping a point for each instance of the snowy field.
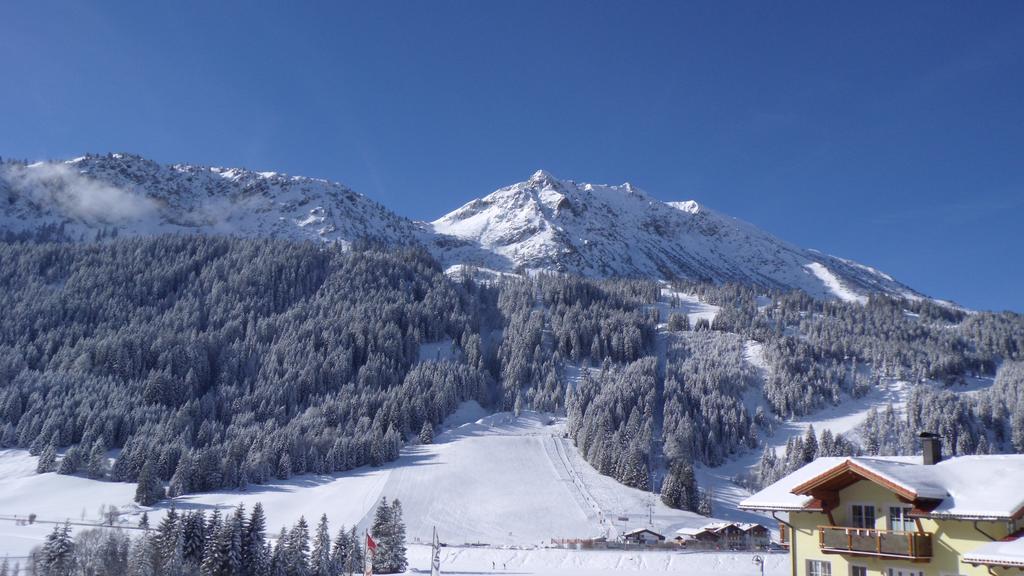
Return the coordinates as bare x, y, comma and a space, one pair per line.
492, 479
556, 562
672, 302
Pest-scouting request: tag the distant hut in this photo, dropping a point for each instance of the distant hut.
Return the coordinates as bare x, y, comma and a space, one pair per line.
643, 536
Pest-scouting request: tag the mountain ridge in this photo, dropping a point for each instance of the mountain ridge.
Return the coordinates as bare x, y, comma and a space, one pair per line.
541, 224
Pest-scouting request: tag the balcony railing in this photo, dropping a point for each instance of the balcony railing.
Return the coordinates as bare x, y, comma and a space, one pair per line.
868, 542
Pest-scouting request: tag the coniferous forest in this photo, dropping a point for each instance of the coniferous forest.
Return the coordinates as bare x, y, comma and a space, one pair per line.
213, 362
235, 544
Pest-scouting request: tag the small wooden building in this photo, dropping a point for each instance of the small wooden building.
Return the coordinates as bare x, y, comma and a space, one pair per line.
644, 536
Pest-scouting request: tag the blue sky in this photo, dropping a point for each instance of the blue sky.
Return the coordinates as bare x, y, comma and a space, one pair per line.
890, 133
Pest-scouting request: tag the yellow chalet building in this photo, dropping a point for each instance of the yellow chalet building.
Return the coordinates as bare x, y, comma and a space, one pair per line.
901, 516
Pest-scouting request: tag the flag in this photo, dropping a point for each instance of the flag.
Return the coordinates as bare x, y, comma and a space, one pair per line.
435, 556
370, 544
371, 549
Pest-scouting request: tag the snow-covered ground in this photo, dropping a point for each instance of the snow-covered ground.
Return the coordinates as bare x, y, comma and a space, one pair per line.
672, 302
834, 285
493, 479
558, 562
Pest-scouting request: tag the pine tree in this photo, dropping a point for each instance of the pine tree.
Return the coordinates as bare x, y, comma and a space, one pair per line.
253, 541
174, 562
236, 529
47, 459
96, 467
279, 559
827, 445
167, 536
670, 488
58, 554
149, 490
341, 552
320, 558
705, 507
396, 538
215, 553
298, 549
382, 526
358, 558
69, 463
284, 467
427, 433
140, 558
810, 446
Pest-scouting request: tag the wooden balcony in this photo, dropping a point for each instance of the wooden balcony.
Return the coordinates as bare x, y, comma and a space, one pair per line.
915, 546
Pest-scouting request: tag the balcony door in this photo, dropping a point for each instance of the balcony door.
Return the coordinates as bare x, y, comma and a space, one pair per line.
900, 520
862, 515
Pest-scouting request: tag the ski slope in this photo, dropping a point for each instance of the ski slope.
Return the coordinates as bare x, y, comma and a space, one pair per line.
492, 479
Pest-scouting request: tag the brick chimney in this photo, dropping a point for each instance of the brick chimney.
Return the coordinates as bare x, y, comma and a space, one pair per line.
931, 445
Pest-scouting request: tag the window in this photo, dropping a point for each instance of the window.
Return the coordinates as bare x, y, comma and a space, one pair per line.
862, 515
819, 568
900, 520
904, 572
858, 571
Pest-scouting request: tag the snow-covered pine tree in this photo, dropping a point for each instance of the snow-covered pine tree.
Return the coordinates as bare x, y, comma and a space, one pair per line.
358, 558
96, 467
705, 507
236, 532
320, 557
216, 552
167, 536
279, 558
341, 552
396, 538
174, 562
150, 489
141, 555
810, 451
69, 463
284, 467
253, 540
381, 531
47, 459
297, 554
58, 554
427, 433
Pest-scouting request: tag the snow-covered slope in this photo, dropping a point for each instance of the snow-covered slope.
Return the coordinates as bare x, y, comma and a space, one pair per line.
488, 478
540, 224
598, 230
136, 196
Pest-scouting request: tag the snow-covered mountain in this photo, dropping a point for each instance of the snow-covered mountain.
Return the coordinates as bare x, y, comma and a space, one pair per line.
136, 196
540, 224
598, 230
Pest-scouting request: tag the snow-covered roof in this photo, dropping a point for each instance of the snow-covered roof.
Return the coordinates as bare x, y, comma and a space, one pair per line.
639, 531
716, 526
1006, 552
779, 496
965, 487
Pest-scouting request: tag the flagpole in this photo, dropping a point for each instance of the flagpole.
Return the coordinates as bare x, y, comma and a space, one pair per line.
367, 562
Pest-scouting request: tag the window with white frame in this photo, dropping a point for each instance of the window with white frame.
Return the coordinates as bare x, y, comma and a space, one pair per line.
819, 568
900, 520
862, 515
858, 571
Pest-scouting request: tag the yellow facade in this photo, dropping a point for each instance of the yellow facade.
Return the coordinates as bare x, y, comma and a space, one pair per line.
950, 541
